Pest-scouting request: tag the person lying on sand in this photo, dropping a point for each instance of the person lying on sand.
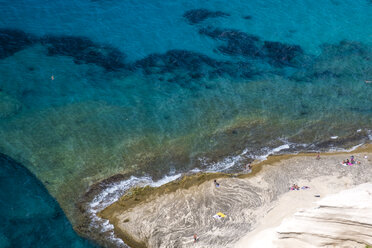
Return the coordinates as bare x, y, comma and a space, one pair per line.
351, 162
294, 187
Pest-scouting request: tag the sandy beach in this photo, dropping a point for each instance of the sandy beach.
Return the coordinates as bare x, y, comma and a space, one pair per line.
266, 233
255, 205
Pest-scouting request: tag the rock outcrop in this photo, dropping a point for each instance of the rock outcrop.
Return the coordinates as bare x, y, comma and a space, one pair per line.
339, 220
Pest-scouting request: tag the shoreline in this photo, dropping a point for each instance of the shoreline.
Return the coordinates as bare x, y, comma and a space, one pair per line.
142, 196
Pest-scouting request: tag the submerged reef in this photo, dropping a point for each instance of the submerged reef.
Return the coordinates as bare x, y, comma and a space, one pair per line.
194, 65
247, 45
85, 51
82, 49
281, 53
195, 16
238, 43
187, 65
14, 40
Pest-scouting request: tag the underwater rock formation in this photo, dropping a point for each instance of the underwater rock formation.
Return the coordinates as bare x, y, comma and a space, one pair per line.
195, 16
188, 65
13, 40
247, 45
174, 60
83, 50
281, 53
238, 43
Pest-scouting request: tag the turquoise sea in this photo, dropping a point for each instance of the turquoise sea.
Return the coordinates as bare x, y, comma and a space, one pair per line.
91, 89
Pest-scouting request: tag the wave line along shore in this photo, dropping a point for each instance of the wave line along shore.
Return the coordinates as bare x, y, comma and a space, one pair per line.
169, 215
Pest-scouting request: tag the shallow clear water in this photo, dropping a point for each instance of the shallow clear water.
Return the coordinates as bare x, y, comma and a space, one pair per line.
143, 88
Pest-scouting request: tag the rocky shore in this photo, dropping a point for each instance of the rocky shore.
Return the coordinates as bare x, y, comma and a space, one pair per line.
169, 216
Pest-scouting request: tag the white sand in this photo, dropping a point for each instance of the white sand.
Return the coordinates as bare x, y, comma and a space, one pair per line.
255, 206
266, 234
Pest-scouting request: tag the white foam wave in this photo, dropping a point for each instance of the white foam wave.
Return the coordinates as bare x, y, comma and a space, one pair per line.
111, 194
334, 137
226, 163
232, 161
270, 152
346, 150
165, 180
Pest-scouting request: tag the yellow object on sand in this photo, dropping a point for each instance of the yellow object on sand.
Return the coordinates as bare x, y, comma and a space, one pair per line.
221, 215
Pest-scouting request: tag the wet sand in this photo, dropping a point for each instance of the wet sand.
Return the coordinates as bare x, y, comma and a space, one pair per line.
254, 204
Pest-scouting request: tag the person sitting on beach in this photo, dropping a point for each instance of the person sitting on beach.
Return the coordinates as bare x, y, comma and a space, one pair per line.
318, 156
295, 187
347, 162
352, 160
195, 238
248, 167
216, 184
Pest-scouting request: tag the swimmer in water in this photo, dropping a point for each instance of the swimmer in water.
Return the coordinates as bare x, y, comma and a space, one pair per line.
367, 81
52, 77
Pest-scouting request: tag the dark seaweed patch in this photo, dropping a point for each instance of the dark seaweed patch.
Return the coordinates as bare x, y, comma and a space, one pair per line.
174, 60
81, 49
187, 65
238, 43
247, 17
195, 16
84, 50
12, 41
280, 53
247, 45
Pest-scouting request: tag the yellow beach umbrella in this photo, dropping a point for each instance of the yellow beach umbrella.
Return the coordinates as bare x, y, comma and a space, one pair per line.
221, 215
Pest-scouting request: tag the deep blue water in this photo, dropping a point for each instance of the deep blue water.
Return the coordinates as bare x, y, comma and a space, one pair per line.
29, 216
93, 88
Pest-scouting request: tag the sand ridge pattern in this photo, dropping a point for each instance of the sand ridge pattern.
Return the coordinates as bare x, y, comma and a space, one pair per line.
170, 220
